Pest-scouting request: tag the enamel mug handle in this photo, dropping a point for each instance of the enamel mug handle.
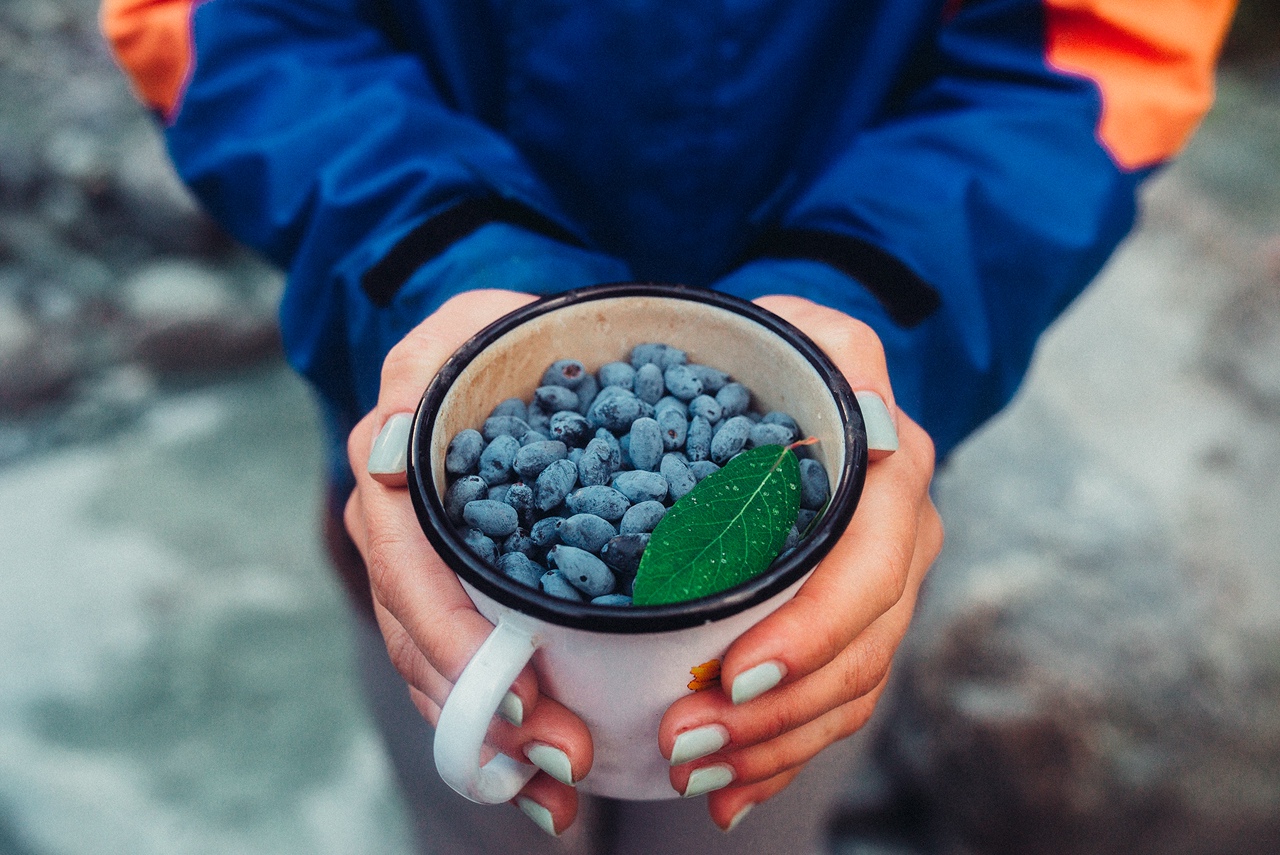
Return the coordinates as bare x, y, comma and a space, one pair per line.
466, 714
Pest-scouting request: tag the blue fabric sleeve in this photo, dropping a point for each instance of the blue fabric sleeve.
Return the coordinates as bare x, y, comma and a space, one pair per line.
317, 142
988, 184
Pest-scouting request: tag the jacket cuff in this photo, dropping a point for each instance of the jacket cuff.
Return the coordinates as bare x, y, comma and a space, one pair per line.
424, 242
906, 298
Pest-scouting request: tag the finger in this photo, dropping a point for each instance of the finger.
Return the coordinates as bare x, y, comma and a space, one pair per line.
857, 352
408, 369
730, 806
414, 361
547, 735
865, 574
759, 763
549, 804
691, 725
409, 579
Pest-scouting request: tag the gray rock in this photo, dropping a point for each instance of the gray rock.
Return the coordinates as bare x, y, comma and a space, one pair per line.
1095, 663
189, 317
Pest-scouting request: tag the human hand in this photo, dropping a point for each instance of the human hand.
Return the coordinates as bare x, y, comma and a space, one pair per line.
429, 623
811, 673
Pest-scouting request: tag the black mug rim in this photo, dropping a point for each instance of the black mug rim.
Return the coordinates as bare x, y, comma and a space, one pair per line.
635, 619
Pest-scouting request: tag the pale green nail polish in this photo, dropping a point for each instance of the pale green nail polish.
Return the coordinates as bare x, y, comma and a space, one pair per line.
708, 778
698, 742
551, 760
739, 816
390, 452
512, 708
540, 815
754, 682
882, 433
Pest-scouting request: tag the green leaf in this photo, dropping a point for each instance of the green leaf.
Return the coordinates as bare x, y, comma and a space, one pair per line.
724, 531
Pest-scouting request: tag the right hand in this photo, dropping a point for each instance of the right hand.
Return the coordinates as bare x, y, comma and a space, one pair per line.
430, 625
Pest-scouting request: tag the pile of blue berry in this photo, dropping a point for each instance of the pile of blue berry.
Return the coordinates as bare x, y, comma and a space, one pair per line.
562, 492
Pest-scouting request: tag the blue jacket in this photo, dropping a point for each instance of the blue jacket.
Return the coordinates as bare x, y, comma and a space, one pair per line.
958, 171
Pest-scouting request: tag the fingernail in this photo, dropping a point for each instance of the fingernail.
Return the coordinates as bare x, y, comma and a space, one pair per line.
536, 812
754, 682
389, 457
551, 760
512, 708
882, 433
708, 778
698, 742
739, 816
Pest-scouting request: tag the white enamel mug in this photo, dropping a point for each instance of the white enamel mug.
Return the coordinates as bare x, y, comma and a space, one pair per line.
617, 668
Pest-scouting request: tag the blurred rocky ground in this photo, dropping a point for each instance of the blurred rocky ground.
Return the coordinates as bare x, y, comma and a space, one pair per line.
1095, 667
113, 285
1095, 664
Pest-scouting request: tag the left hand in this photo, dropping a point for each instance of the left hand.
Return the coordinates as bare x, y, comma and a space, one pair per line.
833, 643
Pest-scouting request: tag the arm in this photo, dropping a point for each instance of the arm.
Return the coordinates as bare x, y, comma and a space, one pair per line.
996, 190
349, 162
957, 231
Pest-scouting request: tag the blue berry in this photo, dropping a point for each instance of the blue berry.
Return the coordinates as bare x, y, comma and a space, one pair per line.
642, 517
804, 519
615, 410
496, 519
520, 497
482, 545
463, 454
647, 353
570, 427
640, 485
615, 448
734, 399
599, 500
730, 438
679, 478
554, 484
564, 372
702, 468
546, 532
697, 443
583, 570
498, 492
814, 486
706, 406
648, 383
611, 600
645, 444
683, 382
777, 417
521, 568
617, 374
531, 459
511, 407
587, 391
713, 379
520, 542
674, 427
558, 586
497, 426
673, 403
496, 459
586, 531
553, 399
531, 437
469, 488
623, 552
672, 356
594, 465
769, 434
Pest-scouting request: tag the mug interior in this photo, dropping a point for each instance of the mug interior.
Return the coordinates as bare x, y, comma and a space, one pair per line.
600, 325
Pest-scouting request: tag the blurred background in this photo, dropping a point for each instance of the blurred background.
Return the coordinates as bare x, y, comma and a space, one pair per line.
1096, 663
